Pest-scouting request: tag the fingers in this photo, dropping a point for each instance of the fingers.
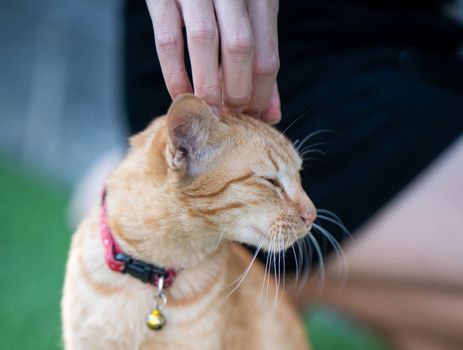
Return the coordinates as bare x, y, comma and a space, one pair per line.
203, 39
236, 51
273, 113
249, 43
167, 25
266, 62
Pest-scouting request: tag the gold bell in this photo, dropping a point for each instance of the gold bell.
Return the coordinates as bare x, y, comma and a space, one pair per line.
155, 320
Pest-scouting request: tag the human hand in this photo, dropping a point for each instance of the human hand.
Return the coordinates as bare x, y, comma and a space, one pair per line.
247, 32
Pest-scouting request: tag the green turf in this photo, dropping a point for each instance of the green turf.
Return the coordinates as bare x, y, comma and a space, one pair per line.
331, 330
33, 248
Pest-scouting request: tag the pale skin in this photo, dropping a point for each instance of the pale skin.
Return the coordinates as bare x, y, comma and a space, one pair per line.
247, 34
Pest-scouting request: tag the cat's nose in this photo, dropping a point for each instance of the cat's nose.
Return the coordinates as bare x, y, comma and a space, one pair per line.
306, 209
309, 217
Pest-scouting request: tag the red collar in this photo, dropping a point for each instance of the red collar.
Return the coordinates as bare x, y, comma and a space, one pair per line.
121, 262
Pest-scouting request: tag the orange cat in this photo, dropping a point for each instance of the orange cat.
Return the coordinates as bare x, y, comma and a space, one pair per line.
190, 186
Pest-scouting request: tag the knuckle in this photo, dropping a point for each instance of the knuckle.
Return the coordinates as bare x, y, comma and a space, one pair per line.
166, 40
202, 31
208, 91
237, 99
267, 67
239, 44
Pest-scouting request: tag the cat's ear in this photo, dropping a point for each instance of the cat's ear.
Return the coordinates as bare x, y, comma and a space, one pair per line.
193, 131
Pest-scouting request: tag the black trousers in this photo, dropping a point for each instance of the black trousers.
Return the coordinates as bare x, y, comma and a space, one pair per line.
386, 79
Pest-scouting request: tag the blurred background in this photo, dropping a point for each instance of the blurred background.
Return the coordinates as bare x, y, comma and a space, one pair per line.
61, 78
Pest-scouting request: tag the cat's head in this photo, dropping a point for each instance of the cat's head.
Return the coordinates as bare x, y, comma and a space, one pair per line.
232, 177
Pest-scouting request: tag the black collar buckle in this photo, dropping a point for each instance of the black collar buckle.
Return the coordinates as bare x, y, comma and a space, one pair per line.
140, 269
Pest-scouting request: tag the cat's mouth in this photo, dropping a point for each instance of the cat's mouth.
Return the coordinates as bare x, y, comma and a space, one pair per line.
279, 238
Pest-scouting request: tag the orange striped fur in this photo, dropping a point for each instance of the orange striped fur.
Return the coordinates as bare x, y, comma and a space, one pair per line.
191, 185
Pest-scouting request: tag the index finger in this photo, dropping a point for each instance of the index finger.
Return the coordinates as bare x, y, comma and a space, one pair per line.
203, 40
167, 25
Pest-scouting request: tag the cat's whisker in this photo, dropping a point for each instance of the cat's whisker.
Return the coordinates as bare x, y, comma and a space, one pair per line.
278, 257
265, 277
320, 259
309, 159
221, 236
306, 138
301, 254
243, 275
277, 275
306, 159
330, 213
275, 268
284, 263
335, 221
342, 260
331, 239
297, 119
306, 251
312, 150
276, 261
269, 272
281, 266
268, 269
296, 263
313, 145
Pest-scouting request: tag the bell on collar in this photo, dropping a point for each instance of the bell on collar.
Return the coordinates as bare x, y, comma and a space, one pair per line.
155, 320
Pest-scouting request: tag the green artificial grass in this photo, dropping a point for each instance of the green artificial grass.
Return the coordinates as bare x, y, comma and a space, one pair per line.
331, 330
34, 241
33, 248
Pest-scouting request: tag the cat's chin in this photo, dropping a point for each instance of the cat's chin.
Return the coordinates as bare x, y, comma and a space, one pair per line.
270, 242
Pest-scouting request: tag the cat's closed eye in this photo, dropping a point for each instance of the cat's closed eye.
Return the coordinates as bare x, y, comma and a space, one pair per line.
274, 182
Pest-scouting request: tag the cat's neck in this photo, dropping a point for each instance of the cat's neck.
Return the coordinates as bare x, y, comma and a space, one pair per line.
200, 269
171, 247
206, 278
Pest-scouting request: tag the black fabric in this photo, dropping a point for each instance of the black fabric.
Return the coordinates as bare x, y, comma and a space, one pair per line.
384, 77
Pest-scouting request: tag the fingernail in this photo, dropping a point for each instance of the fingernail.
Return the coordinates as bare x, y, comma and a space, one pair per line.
216, 111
